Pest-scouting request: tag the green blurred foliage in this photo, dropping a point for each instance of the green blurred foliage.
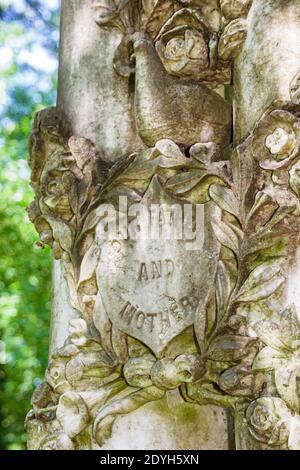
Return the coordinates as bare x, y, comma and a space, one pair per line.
28, 51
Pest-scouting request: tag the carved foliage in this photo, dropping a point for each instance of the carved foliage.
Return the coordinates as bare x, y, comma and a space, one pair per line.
194, 39
244, 349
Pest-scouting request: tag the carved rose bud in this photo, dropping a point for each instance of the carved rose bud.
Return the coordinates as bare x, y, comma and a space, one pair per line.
276, 139
169, 374
165, 375
241, 381
268, 419
137, 371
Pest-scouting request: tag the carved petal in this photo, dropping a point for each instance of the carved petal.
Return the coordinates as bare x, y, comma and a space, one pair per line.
286, 384
268, 359
234, 8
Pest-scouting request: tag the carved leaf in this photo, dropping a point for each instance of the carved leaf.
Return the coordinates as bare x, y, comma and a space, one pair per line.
226, 235
224, 287
119, 344
286, 384
270, 333
268, 359
89, 263
242, 172
103, 324
229, 348
224, 198
72, 413
262, 282
92, 219
61, 233
168, 148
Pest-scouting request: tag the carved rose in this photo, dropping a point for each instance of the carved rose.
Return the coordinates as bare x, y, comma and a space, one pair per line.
184, 54
268, 419
185, 45
281, 354
276, 139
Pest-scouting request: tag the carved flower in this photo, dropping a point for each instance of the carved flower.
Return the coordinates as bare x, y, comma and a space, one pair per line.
185, 54
268, 419
282, 354
185, 45
276, 139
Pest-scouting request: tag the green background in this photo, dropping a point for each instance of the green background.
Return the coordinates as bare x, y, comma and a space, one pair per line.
28, 69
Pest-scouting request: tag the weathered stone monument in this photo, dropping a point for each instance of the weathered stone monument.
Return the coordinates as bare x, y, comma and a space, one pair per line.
167, 183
